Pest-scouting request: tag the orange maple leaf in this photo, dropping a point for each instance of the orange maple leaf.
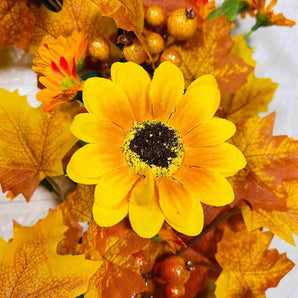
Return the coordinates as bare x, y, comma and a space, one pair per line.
208, 53
249, 268
282, 224
80, 202
128, 15
119, 275
16, 24
30, 266
32, 143
251, 98
270, 161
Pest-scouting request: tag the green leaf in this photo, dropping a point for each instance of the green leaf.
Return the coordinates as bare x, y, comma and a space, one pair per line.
229, 8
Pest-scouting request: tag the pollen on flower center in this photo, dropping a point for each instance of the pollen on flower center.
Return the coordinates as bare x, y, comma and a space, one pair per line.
155, 144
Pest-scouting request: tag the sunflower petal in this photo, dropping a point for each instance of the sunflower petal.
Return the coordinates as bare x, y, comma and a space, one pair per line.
146, 220
166, 89
92, 161
114, 186
196, 106
203, 80
223, 158
88, 128
180, 207
108, 101
207, 186
135, 82
210, 133
109, 216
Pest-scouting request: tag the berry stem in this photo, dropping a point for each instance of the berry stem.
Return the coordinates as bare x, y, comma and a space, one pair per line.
214, 224
203, 264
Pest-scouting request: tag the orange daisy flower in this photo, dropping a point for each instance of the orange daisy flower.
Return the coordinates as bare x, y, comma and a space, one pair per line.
60, 63
154, 151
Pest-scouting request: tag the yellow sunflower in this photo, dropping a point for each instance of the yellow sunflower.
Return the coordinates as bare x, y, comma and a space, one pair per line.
154, 152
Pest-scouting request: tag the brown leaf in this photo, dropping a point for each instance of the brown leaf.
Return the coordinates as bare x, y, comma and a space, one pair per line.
208, 52
32, 143
282, 224
249, 268
16, 24
30, 266
270, 161
119, 276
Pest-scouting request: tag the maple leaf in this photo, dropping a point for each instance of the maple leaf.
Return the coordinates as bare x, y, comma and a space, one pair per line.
30, 266
119, 275
270, 161
32, 143
128, 15
282, 224
80, 202
76, 15
249, 268
208, 53
16, 24
253, 97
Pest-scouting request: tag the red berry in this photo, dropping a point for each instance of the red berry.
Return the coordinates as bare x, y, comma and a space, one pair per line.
173, 270
143, 260
175, 291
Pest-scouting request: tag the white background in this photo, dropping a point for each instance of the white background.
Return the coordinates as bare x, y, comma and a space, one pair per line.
276, 53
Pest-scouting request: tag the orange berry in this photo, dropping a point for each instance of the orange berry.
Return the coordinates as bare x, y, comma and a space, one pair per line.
182, 23
143, 260
171, 55
155, 42
99, 48
175, 291
155, 16
134, 52
173, 270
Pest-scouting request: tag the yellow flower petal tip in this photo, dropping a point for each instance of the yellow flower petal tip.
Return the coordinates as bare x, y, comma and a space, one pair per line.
155, 153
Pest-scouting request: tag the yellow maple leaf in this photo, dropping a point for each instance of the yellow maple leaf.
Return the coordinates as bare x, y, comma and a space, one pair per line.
253, 97
208, 52
128, 15
270, 161
30, 266
282, 224
119, 276
32, 143
249, 268
16, 24
80, 202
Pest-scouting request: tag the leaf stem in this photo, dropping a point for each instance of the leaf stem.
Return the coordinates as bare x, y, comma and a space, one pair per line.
191, 264
55, 188
214, 224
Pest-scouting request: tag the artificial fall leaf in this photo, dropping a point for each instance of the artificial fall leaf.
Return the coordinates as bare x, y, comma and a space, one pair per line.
270, 161
80, 202
119, 275
30, 266
16, 24
76, 15
32, 143
253, 97
128, 15
249, 268
208, 52
282, 224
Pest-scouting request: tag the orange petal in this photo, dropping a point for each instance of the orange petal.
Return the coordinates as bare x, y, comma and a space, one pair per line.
109, 216
207, 186
88, 128
92, 161
221, 158
181, 209
135, 82
166, 89
114, 186
108, 101
197, 106
210, 133
146, 220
